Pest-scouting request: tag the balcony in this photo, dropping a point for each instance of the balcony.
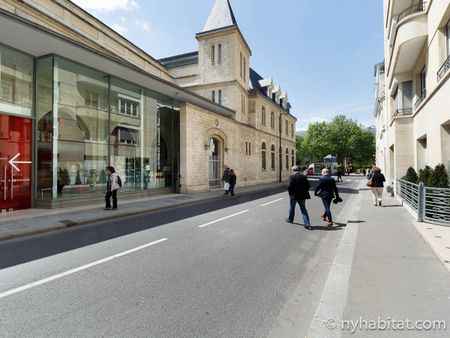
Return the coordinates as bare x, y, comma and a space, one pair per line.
410, 34
444, 68
420, 99
403, 112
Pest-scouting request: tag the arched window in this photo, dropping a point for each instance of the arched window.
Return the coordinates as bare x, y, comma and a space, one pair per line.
272, 157
213, 96
287, 128
272, 120
219, 53
213, 54
292, 130
263, 157
220, 96
287, 159
263, 116
245, 70
293, 157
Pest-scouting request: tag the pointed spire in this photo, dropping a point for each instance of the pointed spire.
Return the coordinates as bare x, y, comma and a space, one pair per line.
221, 16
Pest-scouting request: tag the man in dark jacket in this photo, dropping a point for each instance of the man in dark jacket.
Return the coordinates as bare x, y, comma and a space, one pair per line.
225, 176
298, 188
327, 190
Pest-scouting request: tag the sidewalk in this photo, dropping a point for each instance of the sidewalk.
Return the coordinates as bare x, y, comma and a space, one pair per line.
34, 221
394, 273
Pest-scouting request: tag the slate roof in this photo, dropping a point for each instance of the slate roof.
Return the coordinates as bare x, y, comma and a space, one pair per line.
221, 16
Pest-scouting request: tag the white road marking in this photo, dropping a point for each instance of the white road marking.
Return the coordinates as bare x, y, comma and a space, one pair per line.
223, 218
87, 266
277, 200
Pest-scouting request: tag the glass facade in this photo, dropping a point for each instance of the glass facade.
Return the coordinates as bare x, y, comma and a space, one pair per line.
87, 120
16, 82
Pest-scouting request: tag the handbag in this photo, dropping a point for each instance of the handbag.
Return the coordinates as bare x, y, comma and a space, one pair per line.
226, 186
369, 183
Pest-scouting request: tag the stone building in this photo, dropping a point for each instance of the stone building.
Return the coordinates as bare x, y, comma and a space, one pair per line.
76, 96
414, 129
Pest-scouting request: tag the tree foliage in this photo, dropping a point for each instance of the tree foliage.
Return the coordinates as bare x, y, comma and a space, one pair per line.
439, 177
343, 138
411, 175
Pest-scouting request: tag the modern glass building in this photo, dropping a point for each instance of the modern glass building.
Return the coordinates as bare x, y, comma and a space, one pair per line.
62, 123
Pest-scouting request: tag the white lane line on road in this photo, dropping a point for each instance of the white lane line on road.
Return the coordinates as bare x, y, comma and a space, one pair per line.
87, 266
277, 200
223, 218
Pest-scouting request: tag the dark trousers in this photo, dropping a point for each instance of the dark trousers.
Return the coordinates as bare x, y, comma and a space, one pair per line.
327, 205
108, 196
231, 190
292, 204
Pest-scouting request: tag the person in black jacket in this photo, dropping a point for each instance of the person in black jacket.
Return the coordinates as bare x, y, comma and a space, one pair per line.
232, 181
226, 173
327, 190
377, 185
298, 189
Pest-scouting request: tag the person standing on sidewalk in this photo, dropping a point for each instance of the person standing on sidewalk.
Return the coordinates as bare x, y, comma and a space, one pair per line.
112, 185
377, 186
298, 189
232, 181
225, 176
327, 190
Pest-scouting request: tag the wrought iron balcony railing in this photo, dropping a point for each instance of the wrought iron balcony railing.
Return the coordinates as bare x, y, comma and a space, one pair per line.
411, 10
420, 99
403, 112
444, 68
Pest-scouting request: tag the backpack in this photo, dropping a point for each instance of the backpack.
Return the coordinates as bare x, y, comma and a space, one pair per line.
119, 181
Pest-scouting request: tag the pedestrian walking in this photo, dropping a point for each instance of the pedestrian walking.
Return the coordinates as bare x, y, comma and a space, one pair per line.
225, 176
339, 175
113, 183
376, 183
231, 181
298, 189
327, 190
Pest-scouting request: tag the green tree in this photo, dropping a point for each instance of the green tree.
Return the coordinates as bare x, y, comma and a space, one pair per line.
299, 151
316, 141
411, 175
439, 177
425, 175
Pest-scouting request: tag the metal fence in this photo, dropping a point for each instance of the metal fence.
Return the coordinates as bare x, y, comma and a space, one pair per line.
431, 205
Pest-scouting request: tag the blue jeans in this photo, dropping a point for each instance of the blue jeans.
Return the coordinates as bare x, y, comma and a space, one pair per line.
327, 205
292, 204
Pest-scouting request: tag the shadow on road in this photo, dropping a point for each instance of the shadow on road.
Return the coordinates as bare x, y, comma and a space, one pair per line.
26, 249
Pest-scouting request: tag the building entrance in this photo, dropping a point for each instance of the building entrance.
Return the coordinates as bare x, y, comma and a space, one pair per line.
15, 163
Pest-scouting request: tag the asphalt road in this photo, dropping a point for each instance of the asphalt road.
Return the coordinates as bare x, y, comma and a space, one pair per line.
222, 269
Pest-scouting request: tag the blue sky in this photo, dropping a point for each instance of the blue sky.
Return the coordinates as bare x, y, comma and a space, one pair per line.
322, 52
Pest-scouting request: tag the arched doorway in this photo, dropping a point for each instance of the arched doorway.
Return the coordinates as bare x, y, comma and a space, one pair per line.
214, 162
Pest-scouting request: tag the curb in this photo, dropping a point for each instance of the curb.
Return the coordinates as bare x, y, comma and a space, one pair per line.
128, 214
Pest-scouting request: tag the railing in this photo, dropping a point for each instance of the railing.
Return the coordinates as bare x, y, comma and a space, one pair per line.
420, 99
411, 10
431, 205
437, 206
444, 68
403, 112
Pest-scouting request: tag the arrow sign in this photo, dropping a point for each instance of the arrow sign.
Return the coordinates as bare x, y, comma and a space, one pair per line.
13, 162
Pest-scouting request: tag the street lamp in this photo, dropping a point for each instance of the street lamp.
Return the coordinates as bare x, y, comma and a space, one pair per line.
280, 151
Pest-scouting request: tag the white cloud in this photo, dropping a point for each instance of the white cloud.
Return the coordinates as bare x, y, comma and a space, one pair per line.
143, 24
107, 5
119, 29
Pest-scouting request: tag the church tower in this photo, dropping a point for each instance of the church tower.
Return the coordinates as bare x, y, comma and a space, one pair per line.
223, 60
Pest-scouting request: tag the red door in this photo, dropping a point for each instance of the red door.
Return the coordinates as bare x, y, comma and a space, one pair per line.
15, 163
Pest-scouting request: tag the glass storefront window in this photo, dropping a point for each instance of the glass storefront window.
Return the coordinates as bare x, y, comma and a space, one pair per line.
125, 132
16, 82
100, 121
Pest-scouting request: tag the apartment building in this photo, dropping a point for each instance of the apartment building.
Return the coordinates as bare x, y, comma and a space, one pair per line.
413, 88
76, 96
